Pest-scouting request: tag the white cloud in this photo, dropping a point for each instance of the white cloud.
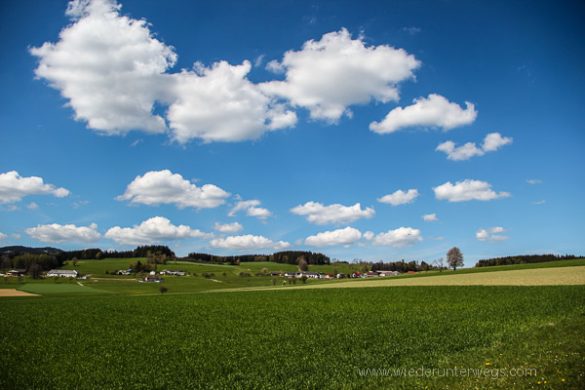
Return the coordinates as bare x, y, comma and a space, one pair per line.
64, 233
369, 235
539, 202
247, 241
221, 104
109, 67
228, 227
251, 208
467, 190
458, 153
534, 181
320, 214
113, 71
165, 187
32, 206
400, 197
403, 236
329, 75
343, 236
491, 234
491, 143
281, 245
430, 217
433, 111
2, 236
152, 231
494, 141
14, 187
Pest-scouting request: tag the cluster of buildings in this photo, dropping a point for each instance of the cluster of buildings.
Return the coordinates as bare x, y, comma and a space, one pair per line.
54, 273
316, 275
154, 277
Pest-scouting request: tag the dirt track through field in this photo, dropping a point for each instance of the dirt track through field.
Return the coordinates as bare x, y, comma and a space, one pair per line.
11, 292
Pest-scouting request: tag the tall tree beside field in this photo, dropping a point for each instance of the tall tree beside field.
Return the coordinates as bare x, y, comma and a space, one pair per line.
455, 258
303, 265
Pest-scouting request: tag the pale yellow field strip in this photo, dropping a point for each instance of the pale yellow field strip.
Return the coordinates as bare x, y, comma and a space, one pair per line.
11, 292
530, 277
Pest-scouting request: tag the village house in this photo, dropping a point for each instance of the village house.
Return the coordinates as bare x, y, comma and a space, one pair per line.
16, 272
174, 273
62, 273
388, 273
152, 279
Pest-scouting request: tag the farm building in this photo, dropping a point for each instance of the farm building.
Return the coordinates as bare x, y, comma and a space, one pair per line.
62, 273
16, 272
388, 273
152, 279
174, 273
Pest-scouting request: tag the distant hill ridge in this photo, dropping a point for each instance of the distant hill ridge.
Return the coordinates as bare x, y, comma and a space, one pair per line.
19, 249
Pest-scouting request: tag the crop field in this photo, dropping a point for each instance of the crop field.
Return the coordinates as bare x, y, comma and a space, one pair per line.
12, 292
57, 288
350, 338
518, 277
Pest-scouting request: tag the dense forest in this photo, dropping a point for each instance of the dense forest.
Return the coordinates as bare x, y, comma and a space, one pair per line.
96, 253
403, 266
523, 259
36, 260
286, 257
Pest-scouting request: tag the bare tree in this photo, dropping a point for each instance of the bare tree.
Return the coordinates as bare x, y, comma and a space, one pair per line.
440, 264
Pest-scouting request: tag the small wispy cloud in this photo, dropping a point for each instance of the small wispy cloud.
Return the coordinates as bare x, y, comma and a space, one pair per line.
533, 181
491, 234
259, 61
80, 203
411, 30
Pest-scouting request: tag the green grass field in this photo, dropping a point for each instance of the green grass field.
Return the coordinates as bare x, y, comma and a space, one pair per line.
295, 339
114, 332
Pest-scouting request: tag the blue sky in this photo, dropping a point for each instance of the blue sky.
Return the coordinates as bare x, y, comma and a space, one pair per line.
296, 112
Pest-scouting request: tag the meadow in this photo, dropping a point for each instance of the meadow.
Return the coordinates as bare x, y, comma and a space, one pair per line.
227, 277
114, 332
337, 338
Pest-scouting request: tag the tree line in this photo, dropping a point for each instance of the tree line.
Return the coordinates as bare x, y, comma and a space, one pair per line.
523, 259
284, 257
403, 266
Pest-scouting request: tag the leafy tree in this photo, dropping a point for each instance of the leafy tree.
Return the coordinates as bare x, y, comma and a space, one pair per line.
35, 271
455, 258
303, 265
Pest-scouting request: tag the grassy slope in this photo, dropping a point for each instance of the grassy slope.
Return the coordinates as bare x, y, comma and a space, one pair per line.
526, 277
128, 285
295, 339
